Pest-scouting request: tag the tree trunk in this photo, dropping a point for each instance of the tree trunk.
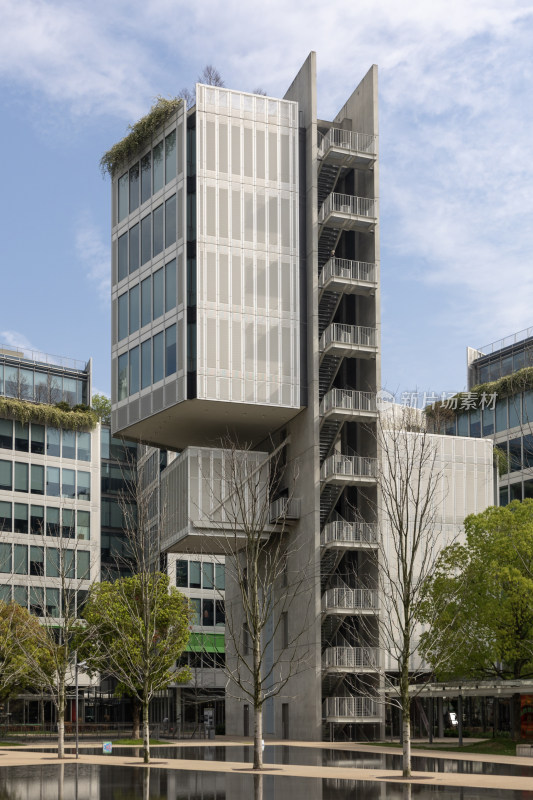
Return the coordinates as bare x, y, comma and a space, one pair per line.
258, 707
61, 717
258, 787
406, 745
146, 732
136, 716
405, 702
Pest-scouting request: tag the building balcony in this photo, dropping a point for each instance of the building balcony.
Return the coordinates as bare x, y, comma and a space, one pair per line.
348, 535
352, 709
350, 659
347, 148
349, 341
349, 470
349, 277
349, 602
342, 405
284, 510
348, 213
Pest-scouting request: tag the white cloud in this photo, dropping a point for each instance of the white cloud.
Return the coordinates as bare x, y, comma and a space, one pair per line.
15, 340
95, 256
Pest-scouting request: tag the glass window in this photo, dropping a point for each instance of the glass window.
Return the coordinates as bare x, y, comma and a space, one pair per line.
528, 489
170, 221
515, 490
170, 157
37, 479
42, 394
122, 316
81, 599
134, 187
488, 421
52, 522
146, 363
84, 485
158, 357
1, 379
123, 376
196, 605
122, 256
20, 521
69, 391
37, 520
527, 448
6, 517
123, 192
21, 477
20, 559
52, 442
22, 437
462, 425
37, 438
220, 613
146, 239
52, 481
11, 381
158, 167
208, 618
501, 415
134, 370
527, 409
6, 475
69, 561
6, 434
181, 574
475, 423
26, 384
5, 557
134, 309
5, 593
105, 437
158, 299
52, 602
20, 595
194, 574
134, 248
84, 568
68, 444
515, 455
220, 577
68, 487
146, 301
170, 350
36, 560
170, 285
207, 575
146, 177
157, 230
84, 446
52, 562
67, 523
515, 410
83, 530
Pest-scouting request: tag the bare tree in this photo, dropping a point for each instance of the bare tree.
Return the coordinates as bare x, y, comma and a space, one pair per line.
58, 605
210, 76
251, 505
411, 491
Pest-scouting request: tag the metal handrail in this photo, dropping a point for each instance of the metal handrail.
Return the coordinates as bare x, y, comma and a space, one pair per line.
337, 332
349, 400
347, 140
349, 532
351, 707
350, 598
358, 466
285, 508
351, 657
346, 269
347, 204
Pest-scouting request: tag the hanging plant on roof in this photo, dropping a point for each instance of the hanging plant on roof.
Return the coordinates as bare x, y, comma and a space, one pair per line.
140, 134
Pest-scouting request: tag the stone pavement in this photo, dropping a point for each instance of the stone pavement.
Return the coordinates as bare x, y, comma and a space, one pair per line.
24, 756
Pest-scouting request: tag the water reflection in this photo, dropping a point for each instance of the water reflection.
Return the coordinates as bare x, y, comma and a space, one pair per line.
106, 782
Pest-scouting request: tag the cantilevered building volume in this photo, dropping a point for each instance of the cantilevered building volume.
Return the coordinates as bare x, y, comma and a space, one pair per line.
245, 293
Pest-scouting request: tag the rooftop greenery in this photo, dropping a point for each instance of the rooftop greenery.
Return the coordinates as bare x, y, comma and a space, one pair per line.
79, 418
140, 134
509, 385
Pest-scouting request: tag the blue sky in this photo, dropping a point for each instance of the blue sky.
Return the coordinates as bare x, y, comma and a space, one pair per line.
456, 145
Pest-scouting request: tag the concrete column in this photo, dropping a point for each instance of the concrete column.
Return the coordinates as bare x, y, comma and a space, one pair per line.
430, 719
440, 717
